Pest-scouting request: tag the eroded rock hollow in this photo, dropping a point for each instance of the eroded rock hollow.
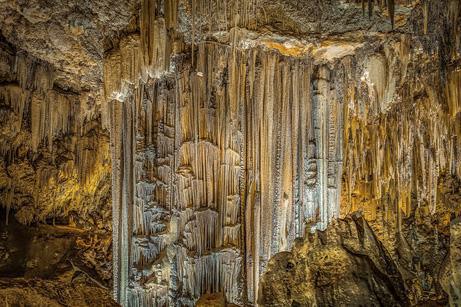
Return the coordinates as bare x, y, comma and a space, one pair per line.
241, 152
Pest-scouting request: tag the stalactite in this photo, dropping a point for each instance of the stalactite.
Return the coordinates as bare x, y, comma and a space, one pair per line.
368, 6
407, 162
46, 146
453, 92
426, 16
217, 15
391, 9
189, 166
226, 155
239, 150
158, 26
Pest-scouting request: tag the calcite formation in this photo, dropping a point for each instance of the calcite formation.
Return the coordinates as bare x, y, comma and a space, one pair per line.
55, 160
255, 152
198, 145
244, 143
55, 169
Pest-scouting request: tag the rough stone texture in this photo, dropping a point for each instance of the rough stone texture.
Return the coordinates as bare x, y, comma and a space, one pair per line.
72, 36
346, 265
52, 266
55, 166
36, 292
451, 280
225, 148
401, 170
212, 300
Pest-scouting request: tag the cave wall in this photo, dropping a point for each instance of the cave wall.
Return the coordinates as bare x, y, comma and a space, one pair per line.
55, 161
224, 155
237, 128
203, 181
394, 241
202, 151
55, 170
400, 172
406, 137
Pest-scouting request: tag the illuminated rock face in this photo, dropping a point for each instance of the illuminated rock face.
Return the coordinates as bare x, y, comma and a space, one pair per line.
401, 170
220, 167
55, 154
344, 265
55, 170
223, 156
237, 127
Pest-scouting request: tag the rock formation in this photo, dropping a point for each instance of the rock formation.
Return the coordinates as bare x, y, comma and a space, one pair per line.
237, 152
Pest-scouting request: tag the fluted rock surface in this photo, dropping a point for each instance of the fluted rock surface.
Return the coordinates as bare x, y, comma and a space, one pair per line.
400, 169
225, 131
54, 169
217, 167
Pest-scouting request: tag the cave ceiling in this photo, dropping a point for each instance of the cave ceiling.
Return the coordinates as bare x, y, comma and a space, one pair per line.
73, 36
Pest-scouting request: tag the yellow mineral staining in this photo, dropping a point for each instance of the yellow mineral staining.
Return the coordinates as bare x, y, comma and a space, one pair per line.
453, 92
16, 98
51, 116
330, 50
223, 159
55, 162
396, 152
287, 49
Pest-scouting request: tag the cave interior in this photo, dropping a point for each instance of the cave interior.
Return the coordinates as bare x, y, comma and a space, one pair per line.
230, 153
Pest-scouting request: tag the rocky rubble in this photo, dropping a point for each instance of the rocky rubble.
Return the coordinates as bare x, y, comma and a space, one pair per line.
53, 265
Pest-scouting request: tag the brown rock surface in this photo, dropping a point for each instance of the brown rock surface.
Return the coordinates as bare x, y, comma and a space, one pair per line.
212, 300
37, 292
343, 266
48, 266
230, 129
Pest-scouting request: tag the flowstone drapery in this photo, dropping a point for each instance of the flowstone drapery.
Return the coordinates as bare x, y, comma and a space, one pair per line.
218, 165
225, 152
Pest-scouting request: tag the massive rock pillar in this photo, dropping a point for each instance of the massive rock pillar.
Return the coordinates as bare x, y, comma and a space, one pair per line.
219, 161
